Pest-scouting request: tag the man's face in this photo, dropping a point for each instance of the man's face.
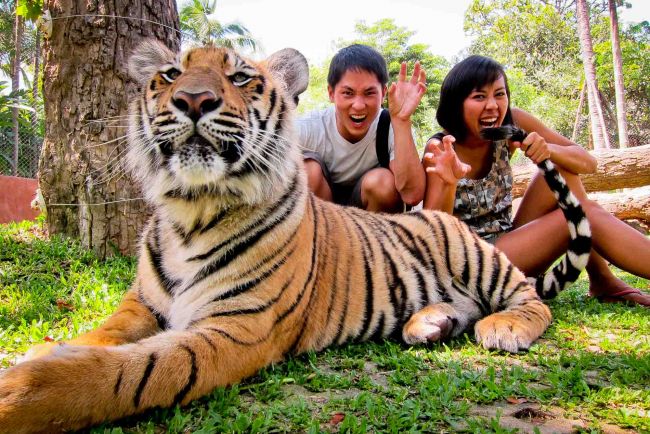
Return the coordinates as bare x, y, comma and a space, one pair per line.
357, 99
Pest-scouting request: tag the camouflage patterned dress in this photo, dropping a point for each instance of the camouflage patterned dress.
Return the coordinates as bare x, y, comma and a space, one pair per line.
486, 204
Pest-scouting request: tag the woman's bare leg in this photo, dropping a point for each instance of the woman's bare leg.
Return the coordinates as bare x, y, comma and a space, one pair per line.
613, 240
534, 246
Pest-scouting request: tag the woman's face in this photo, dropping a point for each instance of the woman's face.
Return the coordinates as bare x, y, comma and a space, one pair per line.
485, 107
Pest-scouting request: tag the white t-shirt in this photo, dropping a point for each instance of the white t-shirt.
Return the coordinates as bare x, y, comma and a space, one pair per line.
346, 161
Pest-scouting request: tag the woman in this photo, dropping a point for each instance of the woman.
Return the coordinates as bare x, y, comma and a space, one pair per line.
471, 178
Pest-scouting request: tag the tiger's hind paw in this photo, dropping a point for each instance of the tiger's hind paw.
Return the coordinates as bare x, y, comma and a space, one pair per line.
505, 331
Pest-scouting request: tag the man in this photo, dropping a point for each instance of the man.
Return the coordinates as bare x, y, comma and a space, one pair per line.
340, 148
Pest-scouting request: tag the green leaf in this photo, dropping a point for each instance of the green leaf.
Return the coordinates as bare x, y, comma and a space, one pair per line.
29, 9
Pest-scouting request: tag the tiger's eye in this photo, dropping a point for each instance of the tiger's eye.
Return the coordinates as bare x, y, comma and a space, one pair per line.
170, 75
240, 79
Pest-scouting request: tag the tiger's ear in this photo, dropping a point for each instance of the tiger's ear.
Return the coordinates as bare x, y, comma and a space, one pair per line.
291, 68
147, 58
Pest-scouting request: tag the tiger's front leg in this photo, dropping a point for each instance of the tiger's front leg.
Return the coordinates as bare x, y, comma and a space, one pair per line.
79, 386
131, 322
516, 328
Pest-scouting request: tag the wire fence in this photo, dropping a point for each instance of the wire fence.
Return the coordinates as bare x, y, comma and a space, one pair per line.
20, 148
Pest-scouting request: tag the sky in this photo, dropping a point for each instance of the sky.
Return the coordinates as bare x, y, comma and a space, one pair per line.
312, 27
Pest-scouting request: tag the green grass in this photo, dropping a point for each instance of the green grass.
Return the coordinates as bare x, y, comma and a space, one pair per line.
590, 370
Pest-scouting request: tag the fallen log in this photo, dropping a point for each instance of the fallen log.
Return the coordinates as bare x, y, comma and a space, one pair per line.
632, 204
617, 168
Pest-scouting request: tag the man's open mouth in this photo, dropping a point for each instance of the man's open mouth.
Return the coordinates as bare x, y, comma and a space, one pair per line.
358, 118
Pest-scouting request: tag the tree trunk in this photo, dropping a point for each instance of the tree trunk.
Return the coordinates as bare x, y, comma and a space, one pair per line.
619, 88
15, 87
576, 124
633, 204
36, 142
606, 105
595, 108
86, 94
617, 168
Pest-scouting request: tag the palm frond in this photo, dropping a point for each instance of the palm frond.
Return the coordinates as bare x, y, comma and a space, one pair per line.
197, 20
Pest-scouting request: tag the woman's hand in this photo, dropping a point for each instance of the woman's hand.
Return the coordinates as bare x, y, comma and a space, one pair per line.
441, 159
534, 147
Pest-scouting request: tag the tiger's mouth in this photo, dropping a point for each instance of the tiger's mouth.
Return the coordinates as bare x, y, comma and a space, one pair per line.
195, 150
198, 141
206, 150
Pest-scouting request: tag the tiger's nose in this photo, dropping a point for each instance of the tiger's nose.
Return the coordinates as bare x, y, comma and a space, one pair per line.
195, 105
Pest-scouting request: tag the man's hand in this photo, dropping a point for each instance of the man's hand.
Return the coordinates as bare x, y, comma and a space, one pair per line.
443, 161
404, 96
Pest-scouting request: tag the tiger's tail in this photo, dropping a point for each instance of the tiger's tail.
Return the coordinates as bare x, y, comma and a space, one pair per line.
575, 260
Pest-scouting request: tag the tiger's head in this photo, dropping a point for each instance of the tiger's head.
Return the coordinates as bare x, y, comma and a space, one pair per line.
209, 122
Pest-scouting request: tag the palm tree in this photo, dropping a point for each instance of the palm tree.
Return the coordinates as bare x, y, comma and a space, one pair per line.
196, 21
15, 85
17, 46
618, 77
7, 36
598, 132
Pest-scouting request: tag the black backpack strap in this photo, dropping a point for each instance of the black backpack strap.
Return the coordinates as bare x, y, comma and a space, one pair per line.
382, 138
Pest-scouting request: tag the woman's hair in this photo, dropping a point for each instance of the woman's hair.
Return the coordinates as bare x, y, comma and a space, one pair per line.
466, 76
357, 57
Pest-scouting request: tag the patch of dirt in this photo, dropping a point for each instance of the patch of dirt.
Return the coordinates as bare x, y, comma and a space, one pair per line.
528, 416
533, 415
35, 231
596, 379
597, 337
297, 391
613, 429
378, 377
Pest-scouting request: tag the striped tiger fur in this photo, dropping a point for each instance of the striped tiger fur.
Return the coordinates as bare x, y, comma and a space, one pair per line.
240, 265
565, 272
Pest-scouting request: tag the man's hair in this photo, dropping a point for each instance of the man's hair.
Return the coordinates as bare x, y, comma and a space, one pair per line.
357, 57
466, 76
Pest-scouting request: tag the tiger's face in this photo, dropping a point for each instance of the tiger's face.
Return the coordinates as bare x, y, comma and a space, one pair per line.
209, 121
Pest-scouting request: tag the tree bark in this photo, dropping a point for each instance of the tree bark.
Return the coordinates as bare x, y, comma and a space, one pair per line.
617, 168
86, 94
595, 108
606, 105
576, 124
633, 204
619, 87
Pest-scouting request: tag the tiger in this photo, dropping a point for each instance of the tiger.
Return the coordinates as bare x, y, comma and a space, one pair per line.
241, 266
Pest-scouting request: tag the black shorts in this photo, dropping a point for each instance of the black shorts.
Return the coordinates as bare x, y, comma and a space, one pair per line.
343, 194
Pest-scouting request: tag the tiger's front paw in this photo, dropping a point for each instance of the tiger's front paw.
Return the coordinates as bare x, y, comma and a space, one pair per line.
430, 324
503, 331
